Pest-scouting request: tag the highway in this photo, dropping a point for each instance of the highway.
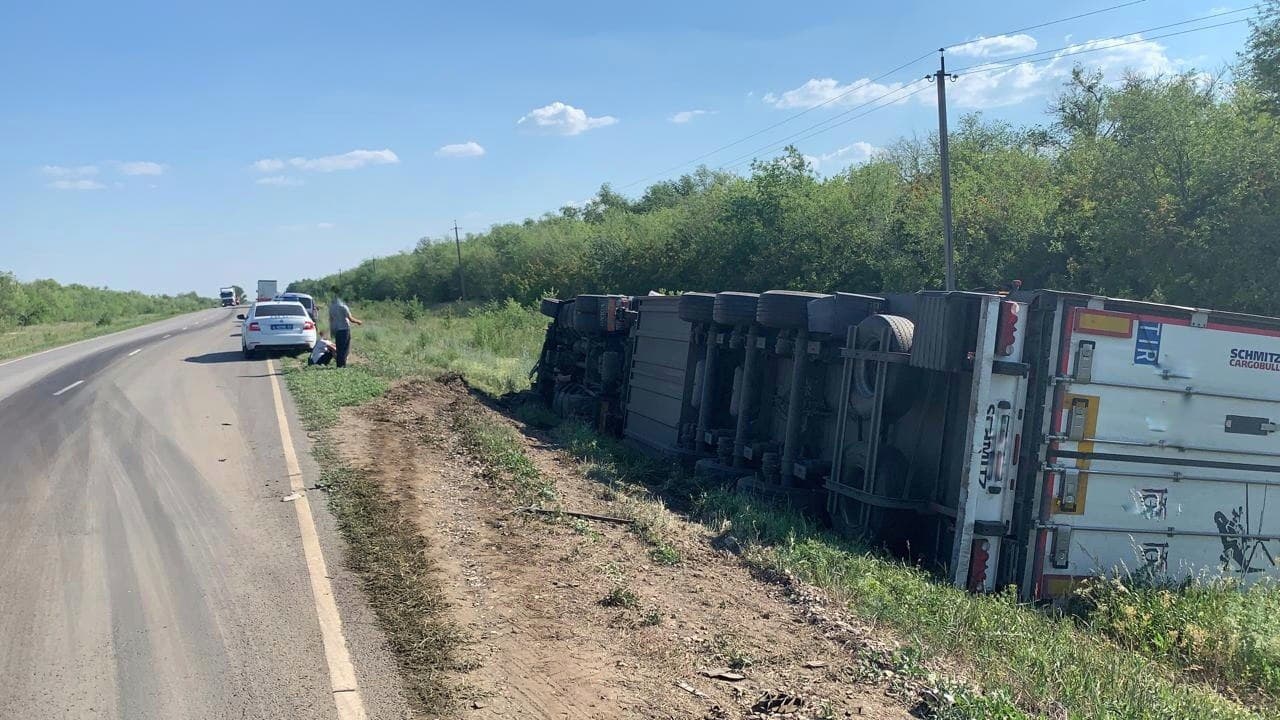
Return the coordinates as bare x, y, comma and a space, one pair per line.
150, 568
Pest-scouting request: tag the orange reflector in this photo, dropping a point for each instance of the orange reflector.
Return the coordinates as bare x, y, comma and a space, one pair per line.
1100, 322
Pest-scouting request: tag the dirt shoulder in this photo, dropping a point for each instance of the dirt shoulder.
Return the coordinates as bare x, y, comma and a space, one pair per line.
576, 618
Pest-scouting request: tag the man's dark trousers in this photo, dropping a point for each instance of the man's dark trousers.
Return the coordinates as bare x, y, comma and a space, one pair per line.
343, 340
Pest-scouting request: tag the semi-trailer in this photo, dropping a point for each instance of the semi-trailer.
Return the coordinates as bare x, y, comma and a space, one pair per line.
1029, 438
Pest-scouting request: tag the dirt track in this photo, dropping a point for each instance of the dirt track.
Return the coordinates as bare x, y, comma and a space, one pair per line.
529, 592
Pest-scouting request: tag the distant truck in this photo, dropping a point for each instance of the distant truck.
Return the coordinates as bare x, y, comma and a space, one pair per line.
228, 296
267, 289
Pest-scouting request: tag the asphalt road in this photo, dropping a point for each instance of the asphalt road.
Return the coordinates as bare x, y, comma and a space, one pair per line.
148, 566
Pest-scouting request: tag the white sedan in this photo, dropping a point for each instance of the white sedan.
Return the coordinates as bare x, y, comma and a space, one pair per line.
278, 325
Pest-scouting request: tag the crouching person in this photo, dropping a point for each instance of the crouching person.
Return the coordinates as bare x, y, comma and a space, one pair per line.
322, 352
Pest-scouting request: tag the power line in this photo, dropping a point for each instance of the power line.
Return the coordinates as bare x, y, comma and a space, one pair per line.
802, 131
743, 159
1005, 62
737, 161
854, 88
1052, 22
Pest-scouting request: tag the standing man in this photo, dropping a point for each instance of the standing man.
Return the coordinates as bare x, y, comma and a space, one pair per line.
340, 319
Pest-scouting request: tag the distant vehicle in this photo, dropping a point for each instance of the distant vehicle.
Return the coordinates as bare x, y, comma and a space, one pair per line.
279, 325
228, 296
267, 289
307, 301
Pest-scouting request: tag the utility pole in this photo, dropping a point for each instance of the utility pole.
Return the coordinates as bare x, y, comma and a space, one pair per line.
940, 77
457, 243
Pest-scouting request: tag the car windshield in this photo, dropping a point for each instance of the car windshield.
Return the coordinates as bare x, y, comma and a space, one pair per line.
279, 310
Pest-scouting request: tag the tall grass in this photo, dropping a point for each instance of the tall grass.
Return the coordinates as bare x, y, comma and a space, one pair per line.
1229, 633
493, 346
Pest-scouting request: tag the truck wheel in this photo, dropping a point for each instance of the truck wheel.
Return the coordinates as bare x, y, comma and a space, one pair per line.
697, 307
900, 380
785, 309
735, 308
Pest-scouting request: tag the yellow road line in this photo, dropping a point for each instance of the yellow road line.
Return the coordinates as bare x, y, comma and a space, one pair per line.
342, 674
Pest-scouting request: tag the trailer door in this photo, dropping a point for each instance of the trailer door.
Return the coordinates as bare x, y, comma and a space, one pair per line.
1162, 456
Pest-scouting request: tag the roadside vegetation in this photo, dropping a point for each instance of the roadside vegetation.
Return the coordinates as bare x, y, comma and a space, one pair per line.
1158, 188
42, 314
1128, 650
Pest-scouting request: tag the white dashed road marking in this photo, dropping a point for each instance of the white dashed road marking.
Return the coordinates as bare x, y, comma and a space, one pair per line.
166, 337
135, 352
74, 384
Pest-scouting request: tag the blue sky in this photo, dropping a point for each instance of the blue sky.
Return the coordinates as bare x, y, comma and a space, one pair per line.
168, 147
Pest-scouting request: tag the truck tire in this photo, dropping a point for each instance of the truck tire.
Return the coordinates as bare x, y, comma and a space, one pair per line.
785, 309
551, 307
735, 308
586, 313
697, 307
899, 391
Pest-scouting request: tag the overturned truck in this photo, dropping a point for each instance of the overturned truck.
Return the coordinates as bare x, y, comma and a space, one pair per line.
1030, 438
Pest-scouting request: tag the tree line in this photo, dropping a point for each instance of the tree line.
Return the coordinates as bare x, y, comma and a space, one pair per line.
46, 301
1163, 188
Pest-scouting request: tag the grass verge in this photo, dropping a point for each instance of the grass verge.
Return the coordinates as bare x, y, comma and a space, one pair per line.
388, 554
1023, 658
24, 340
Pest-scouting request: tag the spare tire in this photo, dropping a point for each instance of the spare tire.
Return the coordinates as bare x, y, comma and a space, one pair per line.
551, 307
785, 309
735, 308
900, 379
697, 307
586, 313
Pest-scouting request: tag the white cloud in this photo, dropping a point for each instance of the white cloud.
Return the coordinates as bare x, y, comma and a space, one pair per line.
1002, 85
858, 152
62, 171
142, 168
821, 90
301, 227
329, 163
279, 181
268, 165
995, 46
563, 119
76, 185
324, 226
685, 116
471, 148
